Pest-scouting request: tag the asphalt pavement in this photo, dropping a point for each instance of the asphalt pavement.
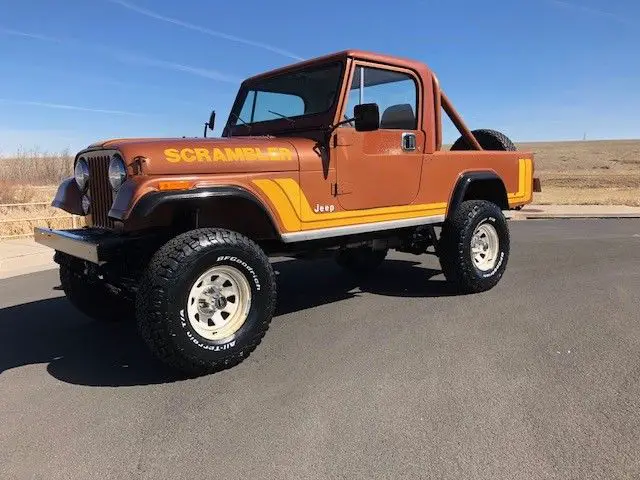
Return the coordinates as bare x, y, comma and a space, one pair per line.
392, 377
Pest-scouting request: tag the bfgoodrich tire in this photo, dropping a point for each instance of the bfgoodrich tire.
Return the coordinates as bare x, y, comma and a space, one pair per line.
206, 300
89, 294
474, 246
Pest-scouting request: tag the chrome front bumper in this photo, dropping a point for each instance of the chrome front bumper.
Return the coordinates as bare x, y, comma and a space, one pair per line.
87, 243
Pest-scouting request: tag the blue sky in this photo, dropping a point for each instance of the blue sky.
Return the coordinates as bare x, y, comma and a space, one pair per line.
75, 71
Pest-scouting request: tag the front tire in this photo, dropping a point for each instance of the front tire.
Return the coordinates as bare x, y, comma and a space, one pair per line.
474, 246
206, 300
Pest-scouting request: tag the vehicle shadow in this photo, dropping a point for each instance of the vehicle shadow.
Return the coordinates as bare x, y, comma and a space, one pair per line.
77, 349
302, 286
80, 351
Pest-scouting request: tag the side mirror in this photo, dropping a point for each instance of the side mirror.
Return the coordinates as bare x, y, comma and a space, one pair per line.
366, 117
209, 125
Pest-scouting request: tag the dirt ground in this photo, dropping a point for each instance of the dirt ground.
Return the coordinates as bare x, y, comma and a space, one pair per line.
587, 173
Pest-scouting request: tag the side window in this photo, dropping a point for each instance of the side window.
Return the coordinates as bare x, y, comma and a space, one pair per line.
353, 98
394, 92
247, 108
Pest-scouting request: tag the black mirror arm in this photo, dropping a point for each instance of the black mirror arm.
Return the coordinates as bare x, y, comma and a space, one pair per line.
331, 128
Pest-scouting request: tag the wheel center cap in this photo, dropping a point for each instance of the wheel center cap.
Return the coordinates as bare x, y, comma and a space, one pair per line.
205, 307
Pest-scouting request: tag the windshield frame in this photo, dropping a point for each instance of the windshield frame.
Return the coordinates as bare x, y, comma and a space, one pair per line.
309, 121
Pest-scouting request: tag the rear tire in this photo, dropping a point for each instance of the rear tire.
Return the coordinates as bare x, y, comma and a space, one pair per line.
474, 246
90, 295
188, 287
360, 260
488, 140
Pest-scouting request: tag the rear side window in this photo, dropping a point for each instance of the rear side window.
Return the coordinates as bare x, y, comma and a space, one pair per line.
395, 93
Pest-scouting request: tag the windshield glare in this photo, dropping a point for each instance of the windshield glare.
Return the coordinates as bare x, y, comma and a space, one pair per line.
292, 95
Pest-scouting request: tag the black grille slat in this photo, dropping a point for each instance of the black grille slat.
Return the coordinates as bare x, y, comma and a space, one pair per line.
94, 191
100, 190
104, 186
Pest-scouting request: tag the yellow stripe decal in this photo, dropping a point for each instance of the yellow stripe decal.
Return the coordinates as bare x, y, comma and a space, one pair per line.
296, 213
283, 207
525, 175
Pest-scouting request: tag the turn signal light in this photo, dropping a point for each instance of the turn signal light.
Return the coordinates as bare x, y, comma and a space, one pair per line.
174, 185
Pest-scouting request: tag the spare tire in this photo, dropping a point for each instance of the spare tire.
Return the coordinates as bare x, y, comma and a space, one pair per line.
488, 140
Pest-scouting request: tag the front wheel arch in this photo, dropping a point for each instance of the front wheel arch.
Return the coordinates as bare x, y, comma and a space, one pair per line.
228, 207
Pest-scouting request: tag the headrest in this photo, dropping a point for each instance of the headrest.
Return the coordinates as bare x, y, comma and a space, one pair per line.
398, 117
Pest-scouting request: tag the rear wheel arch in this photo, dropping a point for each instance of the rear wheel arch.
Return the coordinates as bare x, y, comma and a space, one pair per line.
231, 207
481, 185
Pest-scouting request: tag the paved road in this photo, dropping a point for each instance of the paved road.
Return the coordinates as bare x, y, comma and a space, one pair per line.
393, 378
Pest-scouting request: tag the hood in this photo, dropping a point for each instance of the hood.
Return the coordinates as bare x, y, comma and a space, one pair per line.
207, 155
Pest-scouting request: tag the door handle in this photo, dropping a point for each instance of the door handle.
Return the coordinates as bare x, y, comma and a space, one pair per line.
408, 142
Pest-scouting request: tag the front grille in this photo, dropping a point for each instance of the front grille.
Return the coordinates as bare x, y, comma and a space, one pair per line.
100, 191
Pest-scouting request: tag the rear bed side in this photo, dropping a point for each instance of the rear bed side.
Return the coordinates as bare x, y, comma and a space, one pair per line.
443, 170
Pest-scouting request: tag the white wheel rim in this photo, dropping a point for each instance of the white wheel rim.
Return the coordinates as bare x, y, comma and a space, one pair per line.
485, 245
218, 302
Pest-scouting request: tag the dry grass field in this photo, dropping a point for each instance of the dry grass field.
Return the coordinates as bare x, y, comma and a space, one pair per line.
31, 177
586, 173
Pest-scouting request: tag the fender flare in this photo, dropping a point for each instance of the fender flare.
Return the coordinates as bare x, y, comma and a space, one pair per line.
154, 202
466, 180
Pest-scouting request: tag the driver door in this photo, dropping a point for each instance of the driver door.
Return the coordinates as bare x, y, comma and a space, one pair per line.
380, 168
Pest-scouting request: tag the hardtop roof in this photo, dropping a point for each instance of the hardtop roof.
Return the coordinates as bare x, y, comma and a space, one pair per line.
341, 56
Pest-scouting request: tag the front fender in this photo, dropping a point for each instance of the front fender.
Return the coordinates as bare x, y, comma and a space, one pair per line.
160, 208
68, 197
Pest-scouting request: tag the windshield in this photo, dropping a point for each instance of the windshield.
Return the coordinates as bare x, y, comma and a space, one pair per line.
289, 95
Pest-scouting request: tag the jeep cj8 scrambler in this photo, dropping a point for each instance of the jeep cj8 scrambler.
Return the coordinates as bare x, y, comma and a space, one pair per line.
339, 154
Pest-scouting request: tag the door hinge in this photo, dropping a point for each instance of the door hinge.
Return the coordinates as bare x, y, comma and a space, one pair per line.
343, 189
342, 140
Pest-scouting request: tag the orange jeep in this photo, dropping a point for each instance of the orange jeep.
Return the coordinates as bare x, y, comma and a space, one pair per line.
342, 153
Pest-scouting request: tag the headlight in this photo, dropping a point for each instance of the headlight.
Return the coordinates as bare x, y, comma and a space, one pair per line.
81, 173
117, 172
86, 204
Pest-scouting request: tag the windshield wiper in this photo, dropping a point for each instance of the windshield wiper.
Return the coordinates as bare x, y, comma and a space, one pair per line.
291, 120
243, 122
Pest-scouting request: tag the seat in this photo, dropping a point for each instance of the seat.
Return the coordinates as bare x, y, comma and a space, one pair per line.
399, 116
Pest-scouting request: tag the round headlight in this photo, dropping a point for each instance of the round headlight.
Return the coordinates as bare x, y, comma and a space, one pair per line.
86, 204
81, 173
117, 172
